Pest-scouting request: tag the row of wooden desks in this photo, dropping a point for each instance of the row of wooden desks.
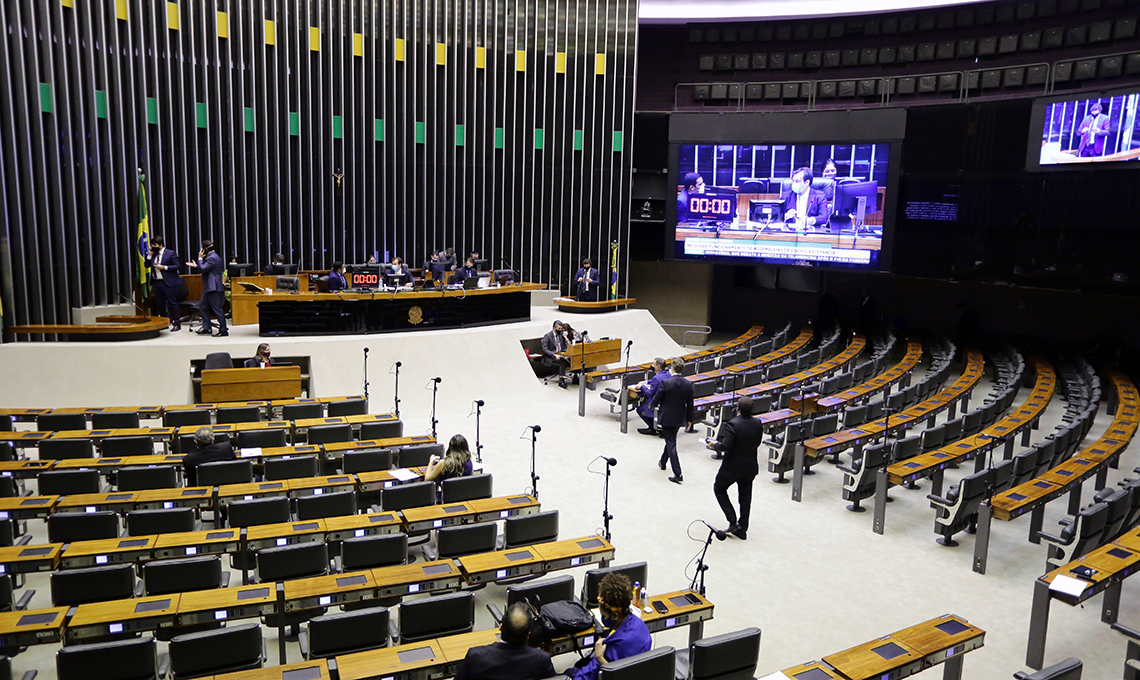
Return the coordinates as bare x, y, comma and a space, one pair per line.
940, 641
837, 362
933, 464
1100, 571
51, 556
614, 373
899, 372
149, 411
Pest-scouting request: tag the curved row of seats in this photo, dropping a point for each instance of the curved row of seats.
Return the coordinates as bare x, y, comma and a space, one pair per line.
751, 336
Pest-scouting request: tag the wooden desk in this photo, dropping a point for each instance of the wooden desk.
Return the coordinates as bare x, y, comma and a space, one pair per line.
356, 526
437, 516
383, 479
812, 670
575, 552
259, 455
302, 670
682, 608
25, 469
113, 328
412, 661
337, 450
498, 565
222, 604
228, 493
285, 533
590, 354
421, 577
117, 501
108, 551
179, 497
23, 438
32, 627
942, 640
190, 543
315, 486
27, 507
328, 591
455, 647
101, 619
93, 435
24, 415
23, 559
502, 507
751, 334
233, 384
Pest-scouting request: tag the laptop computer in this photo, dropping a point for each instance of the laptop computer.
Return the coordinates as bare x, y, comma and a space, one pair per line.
471, 282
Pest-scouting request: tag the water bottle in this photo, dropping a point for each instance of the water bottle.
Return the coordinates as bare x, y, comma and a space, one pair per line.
637, 594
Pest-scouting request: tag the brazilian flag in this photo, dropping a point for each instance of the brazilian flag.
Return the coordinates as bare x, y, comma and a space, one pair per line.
613, 270
142, 240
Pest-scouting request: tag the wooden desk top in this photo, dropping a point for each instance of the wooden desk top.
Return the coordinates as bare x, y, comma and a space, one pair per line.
805, 671
404, 574
1111, 563
384, 478
200, 494
110, 546
387, 662
371, 418
502, 504
114, 499
224, 598
100, 463
260, 403
24, 436
1010, 504
339, 448
320, 671
16, 558
499, 559
349, 526
332, 483
897, 372
108, 328
185, 539
239, 427
32, 620
253, 489
436, 513
454, 647
23, 469
1072, 470
863, 662
285, 530
677, 603
27, 506
938, 635
610, 374
279, 451
115, 611
313, 422
574, 547
522, 287
317, 586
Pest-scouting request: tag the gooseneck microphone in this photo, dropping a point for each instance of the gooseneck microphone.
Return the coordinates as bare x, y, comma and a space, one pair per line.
437, 380
479, 402
720, 535
610, 461
536, 428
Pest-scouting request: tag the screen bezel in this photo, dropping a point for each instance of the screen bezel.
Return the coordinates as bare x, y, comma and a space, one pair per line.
1037, 122
857, 126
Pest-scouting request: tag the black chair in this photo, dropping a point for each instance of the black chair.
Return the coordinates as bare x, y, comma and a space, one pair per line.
1024, 466
214, 652
72, 587
293, 467
61, 421
326, 505
656, 664
855, 415
186, 417
63, 449
958, 510
859, 477
932, 437
302, 411
6, 667
404, 496
1002, 478
162, 577
7, 423
417, 456
258, 511
8, 600
541, 527
372, 552
165, 521
225, 472
907, 447
10, 487
725, 657
636, 572
1069, 669
369, 460
143, 477
68, 527
387, 430
329, 434
435, 617
262, 439
1119, 502
335, 634
69, 482
953, 430
782, 449
135, 659
353, 407
216, 360
115, 447
460, 541
971, 423
239, 414
114, 420
459, 489
302, 560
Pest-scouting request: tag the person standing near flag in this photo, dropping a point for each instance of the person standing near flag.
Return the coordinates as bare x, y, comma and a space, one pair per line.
164, 271
587, 279
213, 290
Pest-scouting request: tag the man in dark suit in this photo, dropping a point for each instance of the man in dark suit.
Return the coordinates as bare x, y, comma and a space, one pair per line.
398, 273
277, 266
804, 207
164, 267
211, 265
206, 452
465, 272
646, 389
510, 659
553, 348
336, 278
675, 399
587, 280
736, 447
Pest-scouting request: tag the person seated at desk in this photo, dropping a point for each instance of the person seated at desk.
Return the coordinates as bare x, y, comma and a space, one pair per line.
465, 272
398, 272
626, 635
511, 659
646, 389
277, 266
554, 351
337, 279
206, 451
692, 183
456, 462
261, 359
587, 279
804, 207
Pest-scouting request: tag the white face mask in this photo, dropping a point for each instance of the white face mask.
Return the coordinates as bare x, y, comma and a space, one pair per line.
799, 186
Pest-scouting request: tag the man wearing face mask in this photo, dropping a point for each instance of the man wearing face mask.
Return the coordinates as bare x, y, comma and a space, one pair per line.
692, 183
626, 634
804, 207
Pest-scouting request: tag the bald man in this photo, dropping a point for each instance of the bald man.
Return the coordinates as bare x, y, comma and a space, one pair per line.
510, 659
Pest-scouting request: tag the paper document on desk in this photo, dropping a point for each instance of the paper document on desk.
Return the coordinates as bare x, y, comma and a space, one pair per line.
1068, 585
476, 467
403, 474
776, 676
250, 453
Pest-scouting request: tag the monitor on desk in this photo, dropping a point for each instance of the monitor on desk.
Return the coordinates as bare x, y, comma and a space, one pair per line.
287, 269
853, 200
240, 269
766, 211
480, 264
393, 280
504, 276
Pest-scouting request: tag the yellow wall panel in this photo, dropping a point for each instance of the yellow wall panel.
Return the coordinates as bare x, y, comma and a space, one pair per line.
440, 54
223, 25
68, 3
600, 64
358, 44
560, 62
520, 60
173, 19
480, 57
314, 39
399, 49
270, 33
121, 9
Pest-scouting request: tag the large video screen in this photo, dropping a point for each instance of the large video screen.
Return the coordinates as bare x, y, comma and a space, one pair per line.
1084, 129
783, 204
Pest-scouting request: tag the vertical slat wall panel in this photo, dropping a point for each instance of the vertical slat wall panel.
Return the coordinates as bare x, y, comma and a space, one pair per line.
271, 127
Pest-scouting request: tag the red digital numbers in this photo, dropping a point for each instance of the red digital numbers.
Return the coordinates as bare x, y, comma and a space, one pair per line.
710, 206
364, 279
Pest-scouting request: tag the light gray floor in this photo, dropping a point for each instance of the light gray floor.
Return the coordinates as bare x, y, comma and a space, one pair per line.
811, 575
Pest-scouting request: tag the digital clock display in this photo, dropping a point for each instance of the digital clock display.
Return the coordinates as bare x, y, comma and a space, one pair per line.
365, 279
712, 207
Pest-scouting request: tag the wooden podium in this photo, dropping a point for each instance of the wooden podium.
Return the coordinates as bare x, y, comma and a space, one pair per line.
591, 354
250, 384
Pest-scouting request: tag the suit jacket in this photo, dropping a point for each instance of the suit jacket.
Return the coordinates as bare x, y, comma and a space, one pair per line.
170, 277
403, 273
588, 289
271, 269
553, 343
651, 387
462, 274
207, 454
254, 363
739, 440
501, 661
212, 268
336, 281
817, 206
675, 399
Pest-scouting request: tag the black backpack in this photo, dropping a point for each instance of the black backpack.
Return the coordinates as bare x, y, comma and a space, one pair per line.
558, 619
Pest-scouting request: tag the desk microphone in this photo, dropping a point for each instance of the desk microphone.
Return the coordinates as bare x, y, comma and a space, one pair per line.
629, 344
720, 535
399, 364
437, 380
610, 461
536, 428
478, 402
366, 350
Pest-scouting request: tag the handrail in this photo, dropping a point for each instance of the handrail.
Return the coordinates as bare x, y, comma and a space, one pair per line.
685, 342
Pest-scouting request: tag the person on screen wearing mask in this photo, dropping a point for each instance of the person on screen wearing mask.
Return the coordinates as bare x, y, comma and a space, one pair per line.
1093, 132
804, 207
691, 184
